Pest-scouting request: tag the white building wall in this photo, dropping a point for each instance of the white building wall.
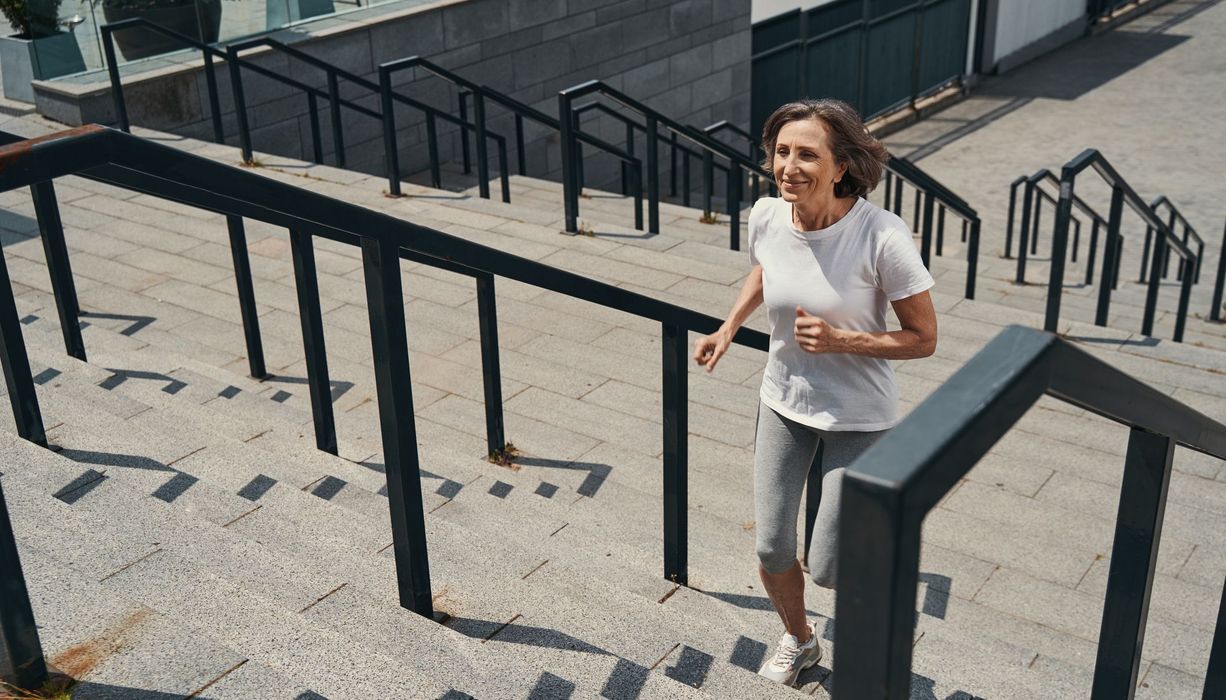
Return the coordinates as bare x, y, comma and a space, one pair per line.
1020, 23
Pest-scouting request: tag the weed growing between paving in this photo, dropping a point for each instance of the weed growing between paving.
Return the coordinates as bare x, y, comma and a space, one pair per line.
708, 217
506, 457
58, 687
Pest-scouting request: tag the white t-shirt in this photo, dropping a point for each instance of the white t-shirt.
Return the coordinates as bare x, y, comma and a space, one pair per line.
846, 273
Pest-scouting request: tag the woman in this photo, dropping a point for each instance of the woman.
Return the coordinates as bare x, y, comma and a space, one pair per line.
825, 262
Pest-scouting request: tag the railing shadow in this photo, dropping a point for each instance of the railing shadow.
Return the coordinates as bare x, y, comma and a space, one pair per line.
597, 473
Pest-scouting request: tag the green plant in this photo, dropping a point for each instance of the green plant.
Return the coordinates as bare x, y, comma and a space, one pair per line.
32, 19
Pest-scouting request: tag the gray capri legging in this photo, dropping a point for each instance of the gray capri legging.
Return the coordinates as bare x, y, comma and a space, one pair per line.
783, 453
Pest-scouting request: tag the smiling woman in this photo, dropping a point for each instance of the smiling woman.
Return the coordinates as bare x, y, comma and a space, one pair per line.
827, 264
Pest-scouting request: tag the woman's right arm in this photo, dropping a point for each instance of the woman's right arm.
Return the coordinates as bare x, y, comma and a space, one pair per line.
708, 349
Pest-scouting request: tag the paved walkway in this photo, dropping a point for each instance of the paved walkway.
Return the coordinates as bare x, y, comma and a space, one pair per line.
1150, 94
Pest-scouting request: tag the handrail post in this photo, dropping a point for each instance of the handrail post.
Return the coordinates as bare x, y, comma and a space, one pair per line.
246, 296
21, 651
625, 167
636, 173
879, 546
1166, 263
240, 105
1215, 673
566, 141
1138, 527
210, 77
1185, 296
112, 69
941, 230
708, 181
483, 156
51, 230
1092, 254
394, 389
1009, 220
307, 283
487, 316
519, 144
926, 230
1110, 249
1034, 226
897, 197
1200, 260
465, 155
972, 259
317, 141
391, 153
1161, 252
734, 205
1059, 250
338, 132
504, 171
16, 365
653, 175
1215, 313
1149, 241
685, 179
1023, 233
676, 431
889, 182
1076, 238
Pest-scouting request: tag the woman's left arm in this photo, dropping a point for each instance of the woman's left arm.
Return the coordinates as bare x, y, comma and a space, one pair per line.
917, 337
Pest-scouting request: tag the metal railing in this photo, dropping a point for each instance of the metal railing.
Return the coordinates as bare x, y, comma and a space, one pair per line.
389, 98
332, 95
1033, 198
653, 122
1121, 193
891, 488
479, 94
932, 197
1174, 216
122, 160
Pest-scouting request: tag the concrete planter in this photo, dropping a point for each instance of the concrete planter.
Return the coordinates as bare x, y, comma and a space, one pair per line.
23, 61
200, 19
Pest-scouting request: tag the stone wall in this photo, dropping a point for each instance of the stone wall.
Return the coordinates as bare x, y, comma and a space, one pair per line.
689, 59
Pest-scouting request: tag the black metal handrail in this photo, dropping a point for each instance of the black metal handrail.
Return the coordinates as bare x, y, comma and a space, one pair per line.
479, 93
389, 100
1215, 311
1189, 234
653, 121
1029, 230
1121, 193
120, 159
751, 152
890, 489
931, 195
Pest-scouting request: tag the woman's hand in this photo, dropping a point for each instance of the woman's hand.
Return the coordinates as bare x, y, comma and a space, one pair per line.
709, 348
813, 334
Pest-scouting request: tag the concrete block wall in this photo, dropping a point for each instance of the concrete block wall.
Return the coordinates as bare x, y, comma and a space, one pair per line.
689, 59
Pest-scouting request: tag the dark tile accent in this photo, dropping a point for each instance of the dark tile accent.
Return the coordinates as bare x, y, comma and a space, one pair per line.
691, 668
597, 473
382, 491
748, 654
174, 488
551, 687
546, 489
310, 695
281, 396
76, 489
174, 387
29, 319
257, 487
500, 489
83, 324
328, 487
448, 489
46, 375
229, 392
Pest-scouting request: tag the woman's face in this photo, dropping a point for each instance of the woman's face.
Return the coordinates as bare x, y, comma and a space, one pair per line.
803, 165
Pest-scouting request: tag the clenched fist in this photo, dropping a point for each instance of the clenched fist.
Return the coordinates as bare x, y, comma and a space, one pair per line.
709, 348
813, 334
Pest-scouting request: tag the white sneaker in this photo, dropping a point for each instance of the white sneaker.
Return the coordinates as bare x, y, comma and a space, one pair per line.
791, 658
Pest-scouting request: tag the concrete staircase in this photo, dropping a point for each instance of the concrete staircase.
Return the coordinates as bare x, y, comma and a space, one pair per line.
188, 538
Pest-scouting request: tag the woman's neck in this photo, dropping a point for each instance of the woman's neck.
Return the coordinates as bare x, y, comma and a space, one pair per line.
814, 216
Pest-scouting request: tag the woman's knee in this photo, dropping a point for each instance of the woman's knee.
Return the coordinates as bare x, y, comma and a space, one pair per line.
822, 567
776, 557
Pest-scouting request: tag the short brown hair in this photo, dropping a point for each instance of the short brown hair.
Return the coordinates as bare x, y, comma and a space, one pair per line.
850, 142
